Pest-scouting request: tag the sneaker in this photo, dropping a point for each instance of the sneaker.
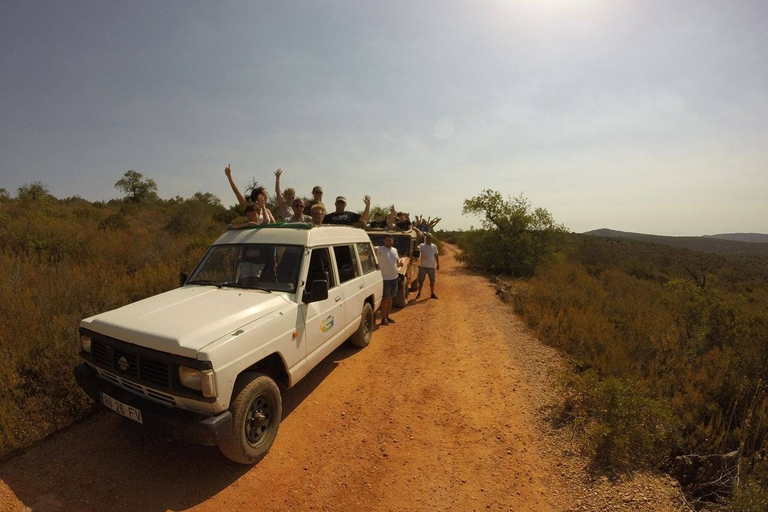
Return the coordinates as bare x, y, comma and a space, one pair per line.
434, 296
384, 322
391, 321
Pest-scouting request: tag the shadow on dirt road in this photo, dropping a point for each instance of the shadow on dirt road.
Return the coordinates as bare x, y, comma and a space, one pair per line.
107, 463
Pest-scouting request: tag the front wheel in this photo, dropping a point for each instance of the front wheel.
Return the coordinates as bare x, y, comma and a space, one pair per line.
256, 411
362, 336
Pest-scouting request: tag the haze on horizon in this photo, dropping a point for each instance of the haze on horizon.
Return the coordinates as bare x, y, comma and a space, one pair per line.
645, 116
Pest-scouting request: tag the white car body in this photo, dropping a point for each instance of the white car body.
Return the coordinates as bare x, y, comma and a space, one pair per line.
230, 330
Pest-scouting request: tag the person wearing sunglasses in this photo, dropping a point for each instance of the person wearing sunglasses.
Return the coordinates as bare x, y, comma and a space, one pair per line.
317, 197
298, 212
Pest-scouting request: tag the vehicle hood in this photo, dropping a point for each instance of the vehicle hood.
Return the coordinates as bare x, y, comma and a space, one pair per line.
184, 320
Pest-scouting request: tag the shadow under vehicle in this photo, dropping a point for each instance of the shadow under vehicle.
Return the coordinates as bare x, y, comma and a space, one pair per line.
209, 360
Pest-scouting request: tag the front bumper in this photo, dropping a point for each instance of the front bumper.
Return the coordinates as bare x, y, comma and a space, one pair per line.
192, 427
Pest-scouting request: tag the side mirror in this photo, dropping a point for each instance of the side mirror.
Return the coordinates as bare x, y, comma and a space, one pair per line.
182, 278
319, 291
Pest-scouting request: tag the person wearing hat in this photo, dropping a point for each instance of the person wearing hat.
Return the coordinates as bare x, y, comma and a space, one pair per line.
342, 216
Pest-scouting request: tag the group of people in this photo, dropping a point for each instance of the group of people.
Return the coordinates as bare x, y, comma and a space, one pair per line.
291, 208
389, 262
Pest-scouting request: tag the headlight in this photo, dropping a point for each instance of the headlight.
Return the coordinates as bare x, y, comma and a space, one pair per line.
85, 343
201, 380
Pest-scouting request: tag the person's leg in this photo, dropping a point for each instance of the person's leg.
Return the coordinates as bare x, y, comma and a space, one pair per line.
386, 302
431, 274
422, 275
386, 306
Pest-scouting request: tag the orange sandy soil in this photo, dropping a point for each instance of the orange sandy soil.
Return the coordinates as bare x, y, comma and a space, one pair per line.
445, 410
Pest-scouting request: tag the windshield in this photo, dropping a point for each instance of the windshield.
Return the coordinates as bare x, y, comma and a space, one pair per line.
401, 243
267, 267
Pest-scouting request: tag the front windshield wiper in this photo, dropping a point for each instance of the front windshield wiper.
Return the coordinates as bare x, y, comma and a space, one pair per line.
230, 284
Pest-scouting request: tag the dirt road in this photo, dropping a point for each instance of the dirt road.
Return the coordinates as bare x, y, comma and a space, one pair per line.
443, 411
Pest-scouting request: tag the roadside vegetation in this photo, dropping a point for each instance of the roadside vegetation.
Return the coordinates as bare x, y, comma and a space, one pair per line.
62, 260
669, 347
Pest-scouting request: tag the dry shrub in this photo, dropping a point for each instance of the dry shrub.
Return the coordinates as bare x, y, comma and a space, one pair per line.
64, 260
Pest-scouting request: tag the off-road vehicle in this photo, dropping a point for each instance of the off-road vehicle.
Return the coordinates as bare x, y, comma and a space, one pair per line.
207, 361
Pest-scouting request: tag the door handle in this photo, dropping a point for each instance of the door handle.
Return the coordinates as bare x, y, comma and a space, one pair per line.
362, 286
338, 299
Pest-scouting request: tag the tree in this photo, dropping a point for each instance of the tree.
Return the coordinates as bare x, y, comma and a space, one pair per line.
136, 187
515, 237
33, 191
4, 195
208, 199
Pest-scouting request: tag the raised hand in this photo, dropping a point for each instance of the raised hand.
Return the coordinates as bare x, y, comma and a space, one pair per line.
278, 173
228, 171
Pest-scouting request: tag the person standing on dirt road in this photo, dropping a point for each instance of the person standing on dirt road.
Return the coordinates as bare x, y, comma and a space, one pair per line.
389, 261
430, 262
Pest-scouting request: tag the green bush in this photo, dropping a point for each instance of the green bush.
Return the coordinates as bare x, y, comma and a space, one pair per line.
515, 238
622, 426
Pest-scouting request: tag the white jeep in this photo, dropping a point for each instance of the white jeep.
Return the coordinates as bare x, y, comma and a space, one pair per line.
262, 308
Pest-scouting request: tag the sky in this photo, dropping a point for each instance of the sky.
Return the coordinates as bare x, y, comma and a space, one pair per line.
648, 116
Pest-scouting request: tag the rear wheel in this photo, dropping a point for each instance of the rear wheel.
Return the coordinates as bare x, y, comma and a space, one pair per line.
256, 412
401, 297
362, 336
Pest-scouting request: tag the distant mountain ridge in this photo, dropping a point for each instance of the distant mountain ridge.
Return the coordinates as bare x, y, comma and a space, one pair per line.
748, 244
753, 238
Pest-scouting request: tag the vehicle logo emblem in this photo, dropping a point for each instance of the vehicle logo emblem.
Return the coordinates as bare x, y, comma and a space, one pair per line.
327, 324
123, 363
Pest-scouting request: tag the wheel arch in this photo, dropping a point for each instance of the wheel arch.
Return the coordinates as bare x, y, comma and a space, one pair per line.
273, 366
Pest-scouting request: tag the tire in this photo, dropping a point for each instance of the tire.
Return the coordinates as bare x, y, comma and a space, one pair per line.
401, 297
256, 412
362, 336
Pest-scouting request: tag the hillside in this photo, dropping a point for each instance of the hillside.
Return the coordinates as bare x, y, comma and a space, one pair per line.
744, 244
757, 238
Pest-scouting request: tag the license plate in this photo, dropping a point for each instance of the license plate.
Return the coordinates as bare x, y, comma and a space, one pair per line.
119, 407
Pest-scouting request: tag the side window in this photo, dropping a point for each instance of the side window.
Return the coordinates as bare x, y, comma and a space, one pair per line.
346, 262
320, 267
367, 260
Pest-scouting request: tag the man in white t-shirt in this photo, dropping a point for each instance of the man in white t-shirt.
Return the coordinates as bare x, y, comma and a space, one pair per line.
430, 262
389, 262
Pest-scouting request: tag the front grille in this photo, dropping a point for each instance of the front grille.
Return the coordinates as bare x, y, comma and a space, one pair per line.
128, 363
139, 390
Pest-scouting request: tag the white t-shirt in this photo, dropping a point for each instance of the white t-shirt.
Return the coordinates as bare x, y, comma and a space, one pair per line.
428, 253
387, 262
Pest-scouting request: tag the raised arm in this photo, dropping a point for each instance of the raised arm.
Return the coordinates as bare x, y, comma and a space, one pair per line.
278, 194
367, 211
391, 217
240, 198
264, 210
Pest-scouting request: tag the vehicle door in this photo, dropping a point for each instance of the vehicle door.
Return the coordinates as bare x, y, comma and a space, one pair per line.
352, 285
372, 284
325, 318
